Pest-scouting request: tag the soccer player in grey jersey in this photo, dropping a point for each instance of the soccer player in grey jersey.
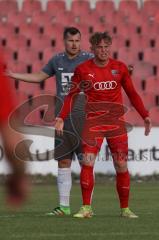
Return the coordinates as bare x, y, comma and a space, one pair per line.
62, 66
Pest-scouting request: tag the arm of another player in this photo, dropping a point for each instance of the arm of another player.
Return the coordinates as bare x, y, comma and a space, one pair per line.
29, 77
68, 101
136, 100
17, 182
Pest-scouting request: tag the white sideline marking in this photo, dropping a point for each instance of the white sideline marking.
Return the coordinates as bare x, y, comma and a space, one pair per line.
42, 235
7, 216
44, 215
22, 215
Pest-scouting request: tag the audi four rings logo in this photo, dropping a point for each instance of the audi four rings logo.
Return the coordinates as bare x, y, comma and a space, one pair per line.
105, 85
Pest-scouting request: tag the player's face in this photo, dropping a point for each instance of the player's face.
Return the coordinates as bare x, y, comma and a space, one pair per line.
102, 51
72, 44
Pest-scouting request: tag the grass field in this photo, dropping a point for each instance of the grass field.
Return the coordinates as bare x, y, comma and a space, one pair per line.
32, 224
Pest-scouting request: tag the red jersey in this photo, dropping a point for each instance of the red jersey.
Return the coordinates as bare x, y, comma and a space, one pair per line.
103, 84
7, 103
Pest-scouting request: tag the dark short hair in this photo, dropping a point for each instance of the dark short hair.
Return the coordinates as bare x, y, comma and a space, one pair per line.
70, 30
97, 37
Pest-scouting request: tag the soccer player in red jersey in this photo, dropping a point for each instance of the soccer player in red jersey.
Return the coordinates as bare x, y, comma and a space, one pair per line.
17, 183
102, 79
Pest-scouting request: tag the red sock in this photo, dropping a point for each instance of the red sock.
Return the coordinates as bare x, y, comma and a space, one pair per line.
87, 184
123, 188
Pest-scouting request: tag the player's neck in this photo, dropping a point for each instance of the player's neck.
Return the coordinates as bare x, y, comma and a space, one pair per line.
101, 63
72, 56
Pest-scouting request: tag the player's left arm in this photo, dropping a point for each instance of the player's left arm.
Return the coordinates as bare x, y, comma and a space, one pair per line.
68, 101
135, 99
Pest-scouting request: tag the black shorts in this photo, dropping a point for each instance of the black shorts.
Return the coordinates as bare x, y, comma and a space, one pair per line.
69, 144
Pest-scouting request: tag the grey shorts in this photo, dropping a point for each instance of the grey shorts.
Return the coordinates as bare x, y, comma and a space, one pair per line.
69, 144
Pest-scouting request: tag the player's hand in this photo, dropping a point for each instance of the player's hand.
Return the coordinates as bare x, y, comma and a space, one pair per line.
147, 122
59, 124
9, 73
130, 69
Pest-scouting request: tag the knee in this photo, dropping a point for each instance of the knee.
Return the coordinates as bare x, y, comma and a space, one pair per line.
65, 163
89, 159
120, 166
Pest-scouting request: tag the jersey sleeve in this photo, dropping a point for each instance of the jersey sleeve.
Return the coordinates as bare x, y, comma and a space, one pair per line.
70, 98
90, 55
49, 67
131, 92
7, 97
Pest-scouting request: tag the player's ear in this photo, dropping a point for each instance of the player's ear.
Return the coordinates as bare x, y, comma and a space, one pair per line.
92, 48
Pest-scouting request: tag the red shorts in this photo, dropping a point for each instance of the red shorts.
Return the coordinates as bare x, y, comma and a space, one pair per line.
117, 145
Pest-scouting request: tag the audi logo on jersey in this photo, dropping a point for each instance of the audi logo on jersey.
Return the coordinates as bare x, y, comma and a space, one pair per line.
108, 85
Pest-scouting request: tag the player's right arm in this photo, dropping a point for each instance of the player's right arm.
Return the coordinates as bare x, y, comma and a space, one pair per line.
47, 71
29, 77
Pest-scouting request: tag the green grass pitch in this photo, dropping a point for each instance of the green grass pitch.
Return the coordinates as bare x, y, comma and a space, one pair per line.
31, 223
